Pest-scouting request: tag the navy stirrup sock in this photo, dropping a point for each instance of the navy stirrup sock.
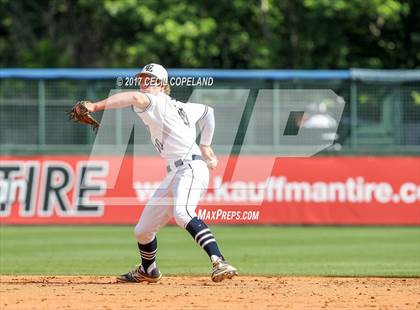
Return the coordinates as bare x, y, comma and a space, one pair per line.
148, 253
203, 236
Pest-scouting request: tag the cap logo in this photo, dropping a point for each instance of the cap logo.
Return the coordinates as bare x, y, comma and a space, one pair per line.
149, 68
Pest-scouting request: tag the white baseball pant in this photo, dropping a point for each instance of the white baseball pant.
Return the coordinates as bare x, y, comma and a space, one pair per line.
178, 196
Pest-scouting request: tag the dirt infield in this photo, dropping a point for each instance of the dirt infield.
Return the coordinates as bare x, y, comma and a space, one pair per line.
244, 292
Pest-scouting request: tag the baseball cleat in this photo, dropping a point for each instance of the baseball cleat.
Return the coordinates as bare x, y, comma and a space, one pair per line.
137, 275
222, 270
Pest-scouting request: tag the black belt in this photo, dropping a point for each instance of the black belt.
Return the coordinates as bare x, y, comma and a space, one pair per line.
180, 162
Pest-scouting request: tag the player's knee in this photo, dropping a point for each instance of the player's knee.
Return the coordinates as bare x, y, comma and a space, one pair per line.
143, 235
182, 217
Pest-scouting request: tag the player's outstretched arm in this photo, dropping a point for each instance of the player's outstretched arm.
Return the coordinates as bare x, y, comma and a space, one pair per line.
119, 101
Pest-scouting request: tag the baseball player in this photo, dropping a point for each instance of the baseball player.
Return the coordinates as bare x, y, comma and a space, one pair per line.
172, 127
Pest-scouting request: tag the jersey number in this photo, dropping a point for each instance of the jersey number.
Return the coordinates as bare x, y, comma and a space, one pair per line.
184, 116
158, 145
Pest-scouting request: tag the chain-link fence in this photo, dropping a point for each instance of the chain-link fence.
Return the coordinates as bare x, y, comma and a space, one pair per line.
381, 115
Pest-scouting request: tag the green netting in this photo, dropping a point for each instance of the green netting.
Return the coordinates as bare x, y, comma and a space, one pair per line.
381, 115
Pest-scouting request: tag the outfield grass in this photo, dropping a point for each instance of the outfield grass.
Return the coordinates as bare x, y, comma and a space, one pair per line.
257, 250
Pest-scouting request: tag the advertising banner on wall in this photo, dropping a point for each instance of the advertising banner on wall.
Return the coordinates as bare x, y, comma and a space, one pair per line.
112, 190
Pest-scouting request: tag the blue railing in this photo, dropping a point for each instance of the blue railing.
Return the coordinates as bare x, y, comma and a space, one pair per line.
95, 74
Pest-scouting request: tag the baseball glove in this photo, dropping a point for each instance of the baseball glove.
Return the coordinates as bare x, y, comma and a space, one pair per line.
80, 114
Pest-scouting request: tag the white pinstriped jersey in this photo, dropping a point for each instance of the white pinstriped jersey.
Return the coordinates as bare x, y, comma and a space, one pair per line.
171, 124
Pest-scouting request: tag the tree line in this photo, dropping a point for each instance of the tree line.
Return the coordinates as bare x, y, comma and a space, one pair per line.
256, 34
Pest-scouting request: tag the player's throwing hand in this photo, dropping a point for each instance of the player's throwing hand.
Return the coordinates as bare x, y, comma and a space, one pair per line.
208, 156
